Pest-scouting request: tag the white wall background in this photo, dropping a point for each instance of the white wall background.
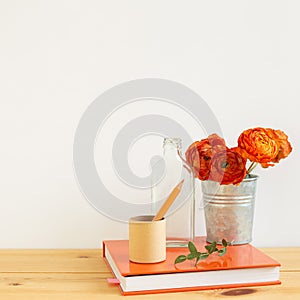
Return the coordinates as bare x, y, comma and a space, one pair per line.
56, 57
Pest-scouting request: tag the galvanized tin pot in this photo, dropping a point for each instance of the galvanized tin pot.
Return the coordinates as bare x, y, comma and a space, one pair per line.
229, 210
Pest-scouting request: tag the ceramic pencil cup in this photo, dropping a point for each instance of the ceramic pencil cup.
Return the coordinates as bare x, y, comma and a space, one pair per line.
147, 240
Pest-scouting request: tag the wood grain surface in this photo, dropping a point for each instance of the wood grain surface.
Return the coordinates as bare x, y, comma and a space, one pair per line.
82, 274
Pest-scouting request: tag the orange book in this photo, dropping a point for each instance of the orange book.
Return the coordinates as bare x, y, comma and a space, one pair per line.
242, 265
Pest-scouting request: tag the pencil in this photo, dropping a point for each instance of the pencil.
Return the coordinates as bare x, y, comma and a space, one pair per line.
164, 208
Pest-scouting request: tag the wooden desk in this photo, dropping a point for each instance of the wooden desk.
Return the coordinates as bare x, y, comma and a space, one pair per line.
82, 274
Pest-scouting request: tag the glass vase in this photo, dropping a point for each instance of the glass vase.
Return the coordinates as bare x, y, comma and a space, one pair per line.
166, 174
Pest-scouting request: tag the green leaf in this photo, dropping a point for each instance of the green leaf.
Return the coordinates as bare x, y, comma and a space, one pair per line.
180, 259
203, 255
222, 251
192, 248
191, 256
224, 243
211, 248
207, 247
198, 257
214, 245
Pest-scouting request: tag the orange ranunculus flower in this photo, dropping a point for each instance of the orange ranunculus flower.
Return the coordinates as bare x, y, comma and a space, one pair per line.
284, 146
258, 145
215, 141
199, 154
199, 160
228, 167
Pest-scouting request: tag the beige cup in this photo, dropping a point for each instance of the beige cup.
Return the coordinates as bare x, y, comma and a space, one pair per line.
147, 240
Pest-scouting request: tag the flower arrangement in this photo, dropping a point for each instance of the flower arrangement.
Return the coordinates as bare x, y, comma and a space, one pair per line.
211, 159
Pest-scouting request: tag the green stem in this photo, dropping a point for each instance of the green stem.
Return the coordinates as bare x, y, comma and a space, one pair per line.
252, 167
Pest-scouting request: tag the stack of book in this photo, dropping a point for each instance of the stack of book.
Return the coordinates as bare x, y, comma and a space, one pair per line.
241, 266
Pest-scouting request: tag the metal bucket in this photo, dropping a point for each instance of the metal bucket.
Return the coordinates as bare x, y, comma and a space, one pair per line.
229, 210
